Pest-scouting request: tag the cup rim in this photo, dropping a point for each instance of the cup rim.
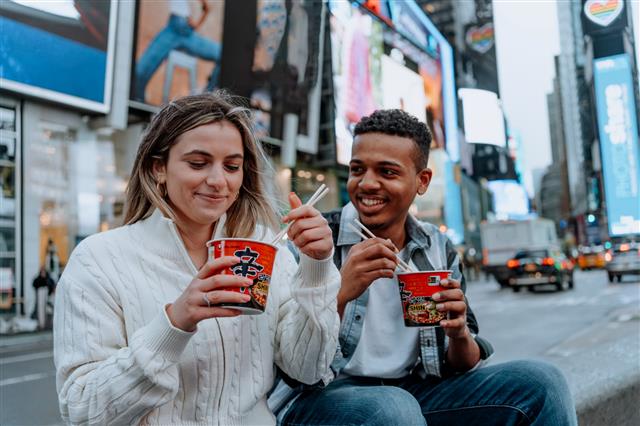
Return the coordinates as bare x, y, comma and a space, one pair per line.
425, 272
211, 242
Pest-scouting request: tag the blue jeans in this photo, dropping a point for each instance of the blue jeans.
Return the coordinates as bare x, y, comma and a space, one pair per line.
513, 393
177, 35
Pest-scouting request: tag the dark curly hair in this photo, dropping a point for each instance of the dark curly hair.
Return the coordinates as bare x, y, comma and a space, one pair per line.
396, 122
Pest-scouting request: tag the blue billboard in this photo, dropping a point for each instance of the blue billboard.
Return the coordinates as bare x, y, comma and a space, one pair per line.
618, 131
59, 50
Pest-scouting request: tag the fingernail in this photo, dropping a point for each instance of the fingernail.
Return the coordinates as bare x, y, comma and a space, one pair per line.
436, 296
440, 306
444, 282
246, 297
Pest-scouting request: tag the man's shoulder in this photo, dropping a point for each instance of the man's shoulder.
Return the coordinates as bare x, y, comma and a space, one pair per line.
429, 228
437, 239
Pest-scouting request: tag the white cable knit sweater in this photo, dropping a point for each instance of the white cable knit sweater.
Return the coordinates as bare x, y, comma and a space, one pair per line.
120, 361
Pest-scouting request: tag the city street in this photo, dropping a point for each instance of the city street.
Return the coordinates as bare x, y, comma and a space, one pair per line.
573, 329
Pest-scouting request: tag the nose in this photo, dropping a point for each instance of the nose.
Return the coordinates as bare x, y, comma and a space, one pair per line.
369, 181
215, 177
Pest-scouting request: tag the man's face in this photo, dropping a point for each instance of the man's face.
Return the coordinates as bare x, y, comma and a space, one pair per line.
383, 180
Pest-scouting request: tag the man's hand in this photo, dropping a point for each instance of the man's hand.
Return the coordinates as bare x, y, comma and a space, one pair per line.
463, 352
452, 301
366, 262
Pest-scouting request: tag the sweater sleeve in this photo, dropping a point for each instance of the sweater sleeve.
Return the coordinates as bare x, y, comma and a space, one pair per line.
104, 376
308, 322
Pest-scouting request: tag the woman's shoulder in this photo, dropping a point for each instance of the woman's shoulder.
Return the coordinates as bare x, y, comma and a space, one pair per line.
101, 245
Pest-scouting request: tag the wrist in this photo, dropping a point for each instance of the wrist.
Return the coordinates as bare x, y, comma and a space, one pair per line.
177, 324
464, 334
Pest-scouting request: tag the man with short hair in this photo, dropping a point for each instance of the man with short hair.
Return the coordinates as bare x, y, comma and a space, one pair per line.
390, 374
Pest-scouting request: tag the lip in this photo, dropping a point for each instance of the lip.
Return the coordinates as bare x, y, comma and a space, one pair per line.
371, 209
214, 198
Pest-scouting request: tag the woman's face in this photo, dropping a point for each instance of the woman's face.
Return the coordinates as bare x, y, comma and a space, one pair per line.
203, 173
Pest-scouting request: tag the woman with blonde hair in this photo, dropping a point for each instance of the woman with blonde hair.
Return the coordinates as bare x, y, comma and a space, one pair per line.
139, 333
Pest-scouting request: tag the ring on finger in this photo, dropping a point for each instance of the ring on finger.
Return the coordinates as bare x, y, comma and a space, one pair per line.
206, 300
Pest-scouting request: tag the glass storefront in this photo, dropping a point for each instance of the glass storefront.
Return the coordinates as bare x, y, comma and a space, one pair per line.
71, 189
9, 163
71, 176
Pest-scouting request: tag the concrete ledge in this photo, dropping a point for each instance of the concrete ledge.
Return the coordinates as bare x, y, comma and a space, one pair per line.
602, 365
617, 405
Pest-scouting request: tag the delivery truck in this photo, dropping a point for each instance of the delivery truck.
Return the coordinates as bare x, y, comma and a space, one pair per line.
501, 241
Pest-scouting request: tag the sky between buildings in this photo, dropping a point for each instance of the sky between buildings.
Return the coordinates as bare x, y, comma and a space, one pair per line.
526, 42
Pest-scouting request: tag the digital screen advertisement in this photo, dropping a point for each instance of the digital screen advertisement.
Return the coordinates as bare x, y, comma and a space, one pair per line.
510, 199
483, 117
374, 66
178, 49
381, 53
59, 50
618, 134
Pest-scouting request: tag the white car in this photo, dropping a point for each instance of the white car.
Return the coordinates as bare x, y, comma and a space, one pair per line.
625, 260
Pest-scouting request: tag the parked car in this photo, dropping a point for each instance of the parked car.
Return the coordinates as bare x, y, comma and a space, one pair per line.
532, 268
592, 257
625, 260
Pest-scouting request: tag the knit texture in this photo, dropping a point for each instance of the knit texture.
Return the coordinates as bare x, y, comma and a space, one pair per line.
120, 361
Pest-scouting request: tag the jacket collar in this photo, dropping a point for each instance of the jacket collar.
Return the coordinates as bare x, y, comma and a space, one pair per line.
346, 236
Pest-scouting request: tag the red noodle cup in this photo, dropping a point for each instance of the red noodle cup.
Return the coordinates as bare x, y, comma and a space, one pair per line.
256, 262
416, 292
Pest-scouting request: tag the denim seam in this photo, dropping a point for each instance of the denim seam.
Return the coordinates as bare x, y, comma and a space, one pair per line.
482, 406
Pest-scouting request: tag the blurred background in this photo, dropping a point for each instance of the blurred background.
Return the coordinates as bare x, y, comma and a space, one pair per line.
533, 106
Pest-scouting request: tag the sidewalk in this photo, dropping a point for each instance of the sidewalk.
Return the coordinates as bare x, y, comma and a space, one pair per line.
602, 367
22, 341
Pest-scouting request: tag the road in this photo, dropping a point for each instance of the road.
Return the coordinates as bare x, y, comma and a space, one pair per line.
532, 325
574, 329
27, 382
592, 333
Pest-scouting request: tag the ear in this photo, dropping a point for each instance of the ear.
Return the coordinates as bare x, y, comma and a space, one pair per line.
424, 179
159, 171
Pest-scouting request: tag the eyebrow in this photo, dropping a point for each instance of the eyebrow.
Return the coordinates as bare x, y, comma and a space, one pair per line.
379, 164
206, 154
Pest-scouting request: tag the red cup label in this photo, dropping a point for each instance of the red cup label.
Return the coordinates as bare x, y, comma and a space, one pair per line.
416, 291
256, 263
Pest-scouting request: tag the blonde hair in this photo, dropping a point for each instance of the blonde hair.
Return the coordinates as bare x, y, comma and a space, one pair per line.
179, 116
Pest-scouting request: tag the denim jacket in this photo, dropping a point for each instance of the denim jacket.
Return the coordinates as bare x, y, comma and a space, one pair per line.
429, 249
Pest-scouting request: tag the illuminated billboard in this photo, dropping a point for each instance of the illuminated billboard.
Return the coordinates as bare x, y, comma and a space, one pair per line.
61, 50
378, 62
618, 134
483, 117
266, 51
178, 49
510, 199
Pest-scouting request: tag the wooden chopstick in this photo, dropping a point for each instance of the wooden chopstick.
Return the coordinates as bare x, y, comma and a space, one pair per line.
403, 265
317, 196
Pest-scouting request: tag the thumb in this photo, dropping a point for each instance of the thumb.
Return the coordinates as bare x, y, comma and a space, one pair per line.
294, 200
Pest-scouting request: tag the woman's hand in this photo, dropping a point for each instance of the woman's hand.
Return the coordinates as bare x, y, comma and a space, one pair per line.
452, 301
192, 307
310, 232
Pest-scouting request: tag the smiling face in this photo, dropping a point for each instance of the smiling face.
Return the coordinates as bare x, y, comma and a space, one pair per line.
383, 181
203, 173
